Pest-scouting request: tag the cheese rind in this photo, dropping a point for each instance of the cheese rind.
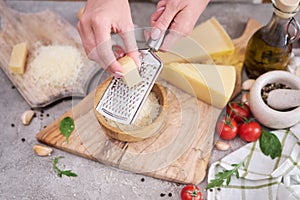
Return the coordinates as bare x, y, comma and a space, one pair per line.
213, 84
18, 58
131, 75
208, 39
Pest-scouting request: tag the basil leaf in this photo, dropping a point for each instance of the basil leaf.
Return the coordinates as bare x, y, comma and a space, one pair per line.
270, 144
66, 127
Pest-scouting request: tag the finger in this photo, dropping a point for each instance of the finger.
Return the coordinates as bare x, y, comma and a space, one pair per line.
118, 51
135, 56
103, 53
179, 27
131, 46
104, 56
162, 23
156, 15
86, 35
161, 3
129, 41
114, 69
183, 26
98, 53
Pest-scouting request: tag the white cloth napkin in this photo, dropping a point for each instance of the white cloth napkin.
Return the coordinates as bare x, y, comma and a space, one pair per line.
262, 178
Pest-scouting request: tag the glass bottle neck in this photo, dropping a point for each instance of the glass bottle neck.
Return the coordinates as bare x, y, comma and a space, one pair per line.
278, 21
275, 32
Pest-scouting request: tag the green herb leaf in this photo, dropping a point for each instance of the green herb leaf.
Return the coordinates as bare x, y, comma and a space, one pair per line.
66, 127
59, 171
237, 174
270, 144
228, 180
225, 175
69, 173
214, 183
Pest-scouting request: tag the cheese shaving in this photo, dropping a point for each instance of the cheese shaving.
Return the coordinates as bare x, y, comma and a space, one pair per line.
55, 65
148, 113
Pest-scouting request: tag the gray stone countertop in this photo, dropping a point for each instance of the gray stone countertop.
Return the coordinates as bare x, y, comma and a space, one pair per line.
24, 175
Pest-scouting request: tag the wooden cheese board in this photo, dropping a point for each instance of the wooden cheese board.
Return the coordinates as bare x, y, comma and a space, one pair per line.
187, 134
45, 28
179, 153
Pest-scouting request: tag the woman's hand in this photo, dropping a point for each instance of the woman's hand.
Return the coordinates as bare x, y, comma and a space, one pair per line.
179, 16
99, 19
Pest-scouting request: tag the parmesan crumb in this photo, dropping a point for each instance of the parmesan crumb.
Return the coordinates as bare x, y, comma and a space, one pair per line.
55, 65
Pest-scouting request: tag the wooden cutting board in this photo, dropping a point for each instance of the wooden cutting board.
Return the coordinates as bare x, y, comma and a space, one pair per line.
186, 137
179, 153
45, 28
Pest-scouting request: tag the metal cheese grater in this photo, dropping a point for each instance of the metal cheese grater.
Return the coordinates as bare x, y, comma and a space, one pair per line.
121, 103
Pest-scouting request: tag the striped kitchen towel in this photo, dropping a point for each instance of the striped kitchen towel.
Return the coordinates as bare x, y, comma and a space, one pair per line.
261, 178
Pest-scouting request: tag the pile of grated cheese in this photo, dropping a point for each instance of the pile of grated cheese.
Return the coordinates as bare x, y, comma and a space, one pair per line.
148, 113
55, 65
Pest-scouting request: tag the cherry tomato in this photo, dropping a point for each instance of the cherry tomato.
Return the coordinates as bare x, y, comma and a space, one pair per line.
190, 192
250, 131
227, 128
238, 111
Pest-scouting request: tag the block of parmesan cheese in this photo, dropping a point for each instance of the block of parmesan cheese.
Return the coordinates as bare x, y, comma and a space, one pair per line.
208, 39
131, 75
185, 50
18, 58
213, 84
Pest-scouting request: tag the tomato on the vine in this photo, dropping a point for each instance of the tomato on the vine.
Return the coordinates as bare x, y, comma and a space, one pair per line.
238, 111
250, 131
227, 128
191, 192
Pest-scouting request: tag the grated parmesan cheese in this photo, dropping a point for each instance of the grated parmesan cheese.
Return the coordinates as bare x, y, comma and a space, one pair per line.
148, 113
55, 65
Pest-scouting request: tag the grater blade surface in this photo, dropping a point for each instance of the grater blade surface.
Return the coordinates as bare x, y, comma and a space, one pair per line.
121, 103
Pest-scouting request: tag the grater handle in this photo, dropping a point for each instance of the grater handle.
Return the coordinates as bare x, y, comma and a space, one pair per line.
155, 44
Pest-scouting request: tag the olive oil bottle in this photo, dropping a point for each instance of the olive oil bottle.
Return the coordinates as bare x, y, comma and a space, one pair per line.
270, 47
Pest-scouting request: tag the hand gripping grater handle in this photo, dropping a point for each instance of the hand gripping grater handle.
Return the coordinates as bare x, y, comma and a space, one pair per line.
121, 103
154, 45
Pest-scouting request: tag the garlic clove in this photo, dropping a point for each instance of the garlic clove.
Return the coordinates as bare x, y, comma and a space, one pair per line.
42, 150
247, 84
27, 116
222, 146
245, 97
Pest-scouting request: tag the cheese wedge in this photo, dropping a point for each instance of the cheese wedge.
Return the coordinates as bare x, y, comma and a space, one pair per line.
213, 37
208, 39
213, 84
131, 75
185, 50
18, 58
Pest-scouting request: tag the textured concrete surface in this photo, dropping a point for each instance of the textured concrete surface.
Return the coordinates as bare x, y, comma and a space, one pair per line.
23, 175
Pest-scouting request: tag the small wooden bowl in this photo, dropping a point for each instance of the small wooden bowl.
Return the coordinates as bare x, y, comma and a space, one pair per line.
137, 134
